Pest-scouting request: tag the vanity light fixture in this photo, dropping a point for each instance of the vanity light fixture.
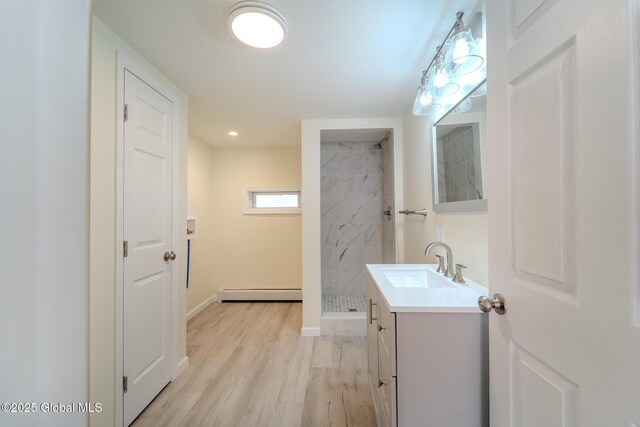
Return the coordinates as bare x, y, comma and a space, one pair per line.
462, 55
459, 55
257, 24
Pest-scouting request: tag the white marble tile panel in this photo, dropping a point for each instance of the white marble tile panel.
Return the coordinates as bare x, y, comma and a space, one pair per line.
329, 234
352, 211
350, 259
388, 243
350, 235
329, 283
372, 186
329, 146
330, 211
351, 283
350, 162
387, 159
468, 145
350, 146
371, 145
458, 151
343, 327
351, 186
329, 187
371, 212
372, 256
329, 163
372, 162
373, 235
329, 259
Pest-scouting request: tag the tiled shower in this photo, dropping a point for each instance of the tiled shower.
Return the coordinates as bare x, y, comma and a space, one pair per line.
356, 190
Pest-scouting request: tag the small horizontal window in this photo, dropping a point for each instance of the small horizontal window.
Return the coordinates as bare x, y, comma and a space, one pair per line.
272, 201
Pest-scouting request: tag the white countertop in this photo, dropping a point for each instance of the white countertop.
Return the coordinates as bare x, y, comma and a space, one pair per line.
419, 288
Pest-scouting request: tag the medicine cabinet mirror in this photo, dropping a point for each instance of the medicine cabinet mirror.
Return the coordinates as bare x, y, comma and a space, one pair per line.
459, 144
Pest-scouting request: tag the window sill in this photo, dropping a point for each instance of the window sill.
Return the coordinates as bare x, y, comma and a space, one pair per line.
273, 211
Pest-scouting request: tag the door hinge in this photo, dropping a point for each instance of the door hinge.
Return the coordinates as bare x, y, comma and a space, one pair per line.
125, 383
125, 248
126, 112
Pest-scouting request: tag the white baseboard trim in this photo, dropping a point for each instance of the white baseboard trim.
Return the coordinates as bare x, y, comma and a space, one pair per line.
182, 366
204, 304
310, 332
260, 295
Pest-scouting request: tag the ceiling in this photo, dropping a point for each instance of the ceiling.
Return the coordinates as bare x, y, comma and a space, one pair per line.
341, 59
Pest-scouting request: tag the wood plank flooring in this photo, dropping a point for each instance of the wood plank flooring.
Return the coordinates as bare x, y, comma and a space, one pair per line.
249, 367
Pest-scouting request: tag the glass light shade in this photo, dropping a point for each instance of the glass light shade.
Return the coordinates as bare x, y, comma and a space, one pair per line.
257, 24
470, 81
462, 54
464, 106
425, 103
480, 91
443, 87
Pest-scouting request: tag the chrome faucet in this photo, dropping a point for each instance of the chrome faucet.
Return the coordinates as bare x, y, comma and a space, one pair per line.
449, 271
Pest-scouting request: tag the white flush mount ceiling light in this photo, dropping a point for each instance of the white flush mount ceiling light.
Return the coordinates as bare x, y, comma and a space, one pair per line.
257, 24
233, 133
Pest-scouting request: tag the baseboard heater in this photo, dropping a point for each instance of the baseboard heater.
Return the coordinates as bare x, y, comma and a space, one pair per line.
230, 295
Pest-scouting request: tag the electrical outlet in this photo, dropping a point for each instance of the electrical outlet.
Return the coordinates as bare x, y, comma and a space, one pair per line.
440, 232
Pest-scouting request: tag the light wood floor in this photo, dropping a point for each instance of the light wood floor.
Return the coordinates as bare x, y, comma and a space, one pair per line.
249, 367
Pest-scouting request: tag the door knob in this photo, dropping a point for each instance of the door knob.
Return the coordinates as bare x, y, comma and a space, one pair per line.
497, 303
173, 256
167, 256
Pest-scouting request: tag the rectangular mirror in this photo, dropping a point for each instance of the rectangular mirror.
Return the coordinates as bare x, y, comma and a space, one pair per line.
459, 141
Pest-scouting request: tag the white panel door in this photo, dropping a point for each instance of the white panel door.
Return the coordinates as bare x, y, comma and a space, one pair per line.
563, 217
148, 146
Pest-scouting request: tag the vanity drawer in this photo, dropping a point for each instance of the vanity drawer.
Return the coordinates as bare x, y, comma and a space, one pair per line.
387, 393
387, 334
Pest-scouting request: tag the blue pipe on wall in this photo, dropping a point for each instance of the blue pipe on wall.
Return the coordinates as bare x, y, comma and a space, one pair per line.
188, 260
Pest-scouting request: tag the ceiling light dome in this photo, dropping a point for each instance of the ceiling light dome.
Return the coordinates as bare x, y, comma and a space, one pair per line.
257, 24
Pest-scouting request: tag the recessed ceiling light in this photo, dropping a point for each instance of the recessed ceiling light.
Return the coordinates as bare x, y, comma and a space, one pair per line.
233, 133
257, 24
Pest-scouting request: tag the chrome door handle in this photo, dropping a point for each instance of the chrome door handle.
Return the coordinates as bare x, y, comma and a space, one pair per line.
173, 256
167, 256
381, 328
497, 303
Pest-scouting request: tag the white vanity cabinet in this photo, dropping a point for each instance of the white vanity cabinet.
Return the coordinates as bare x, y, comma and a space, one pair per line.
426, 368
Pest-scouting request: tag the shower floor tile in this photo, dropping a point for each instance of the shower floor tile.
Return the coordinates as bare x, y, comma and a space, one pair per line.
343, 304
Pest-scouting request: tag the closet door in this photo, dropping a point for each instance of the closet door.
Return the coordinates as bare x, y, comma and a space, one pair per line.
148, 147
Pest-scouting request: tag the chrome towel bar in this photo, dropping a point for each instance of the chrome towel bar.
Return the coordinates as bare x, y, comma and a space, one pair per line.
422, 212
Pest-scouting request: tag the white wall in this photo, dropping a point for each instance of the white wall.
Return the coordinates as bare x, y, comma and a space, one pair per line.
44, 208
201, 287
105, 45
254, 251
311, 242
466, 232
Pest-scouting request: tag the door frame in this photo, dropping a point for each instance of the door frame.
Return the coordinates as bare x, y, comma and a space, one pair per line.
177, 366
311, 242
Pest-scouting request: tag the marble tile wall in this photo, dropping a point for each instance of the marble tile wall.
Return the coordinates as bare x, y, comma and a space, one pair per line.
352, 200
459, 170
388, 225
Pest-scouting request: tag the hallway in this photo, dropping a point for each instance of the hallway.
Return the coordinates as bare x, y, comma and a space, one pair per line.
248, 366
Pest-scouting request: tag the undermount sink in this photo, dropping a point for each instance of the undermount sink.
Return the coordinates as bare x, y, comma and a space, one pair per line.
414, 278
420, 288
